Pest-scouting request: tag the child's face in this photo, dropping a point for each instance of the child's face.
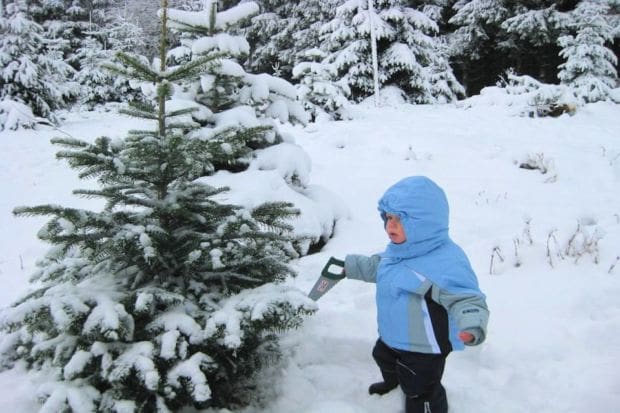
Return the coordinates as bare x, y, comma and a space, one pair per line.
395, 229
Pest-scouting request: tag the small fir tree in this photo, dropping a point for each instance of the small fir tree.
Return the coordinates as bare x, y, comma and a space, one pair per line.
167, 297
81, 31
32, 72
590, 67
97, 85
230, 99
324, 97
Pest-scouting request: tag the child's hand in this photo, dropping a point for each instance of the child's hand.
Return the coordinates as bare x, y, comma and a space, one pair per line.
466, 337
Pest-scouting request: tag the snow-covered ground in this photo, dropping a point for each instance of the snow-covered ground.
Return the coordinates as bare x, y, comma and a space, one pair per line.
552, 343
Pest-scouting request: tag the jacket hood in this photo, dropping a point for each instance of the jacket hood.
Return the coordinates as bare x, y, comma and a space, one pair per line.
424, 213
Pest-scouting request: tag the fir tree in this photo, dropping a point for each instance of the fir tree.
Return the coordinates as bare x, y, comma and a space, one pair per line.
97, 84
167, 297
323, 93
79, 29
270, 36
229, 99
323, 96
284, 31
531, 40
590, 67
227, 88
409, 53
31, 70
474, 42
311, 16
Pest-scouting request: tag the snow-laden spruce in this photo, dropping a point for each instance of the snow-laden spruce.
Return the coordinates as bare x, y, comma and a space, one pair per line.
170, 296
268, 95
324, 96
32, 71
226, 100
96, 47
284, 32
590, 66
410, 56
548, 40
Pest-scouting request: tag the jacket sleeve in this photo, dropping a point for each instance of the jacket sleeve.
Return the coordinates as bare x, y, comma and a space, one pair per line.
361, 267
469, 311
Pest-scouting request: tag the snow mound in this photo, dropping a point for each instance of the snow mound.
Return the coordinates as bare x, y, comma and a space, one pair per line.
319, 207
15, 115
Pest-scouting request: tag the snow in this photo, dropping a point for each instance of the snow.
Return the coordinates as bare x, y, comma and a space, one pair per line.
238, 116
190, 369
107, 317
288, 159
223, 43
181, 18
259, 185
551, 345
14, 115
180, 322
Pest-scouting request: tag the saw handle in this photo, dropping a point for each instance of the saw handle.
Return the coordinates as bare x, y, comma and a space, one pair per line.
332, 275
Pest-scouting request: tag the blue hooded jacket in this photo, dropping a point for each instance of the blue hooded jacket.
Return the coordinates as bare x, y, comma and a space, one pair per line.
426, 289
423, 210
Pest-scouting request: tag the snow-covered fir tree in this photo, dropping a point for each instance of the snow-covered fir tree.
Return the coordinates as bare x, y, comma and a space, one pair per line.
531, 39
270, 36
409, 54
324, 97
66, 22
99, 45
97, 85
590, 66
473, 42
229, 85
32, 71
613, 19
284, 31
324, 94
311, 16
86, 35
167, 297
229, 99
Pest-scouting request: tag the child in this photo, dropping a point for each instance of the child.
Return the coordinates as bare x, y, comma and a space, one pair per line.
428, 299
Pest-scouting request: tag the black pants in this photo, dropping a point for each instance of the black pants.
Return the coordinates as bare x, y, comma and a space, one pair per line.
418, 374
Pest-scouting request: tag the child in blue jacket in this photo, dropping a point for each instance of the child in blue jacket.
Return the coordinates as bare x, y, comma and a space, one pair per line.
428, 299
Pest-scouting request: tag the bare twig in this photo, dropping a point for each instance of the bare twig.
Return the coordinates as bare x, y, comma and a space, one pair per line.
570, 247
526, 231
551, 237
582, 242
613, 265
516, 243
496, 251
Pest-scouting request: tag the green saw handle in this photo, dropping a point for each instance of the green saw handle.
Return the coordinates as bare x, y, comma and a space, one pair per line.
331, 275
